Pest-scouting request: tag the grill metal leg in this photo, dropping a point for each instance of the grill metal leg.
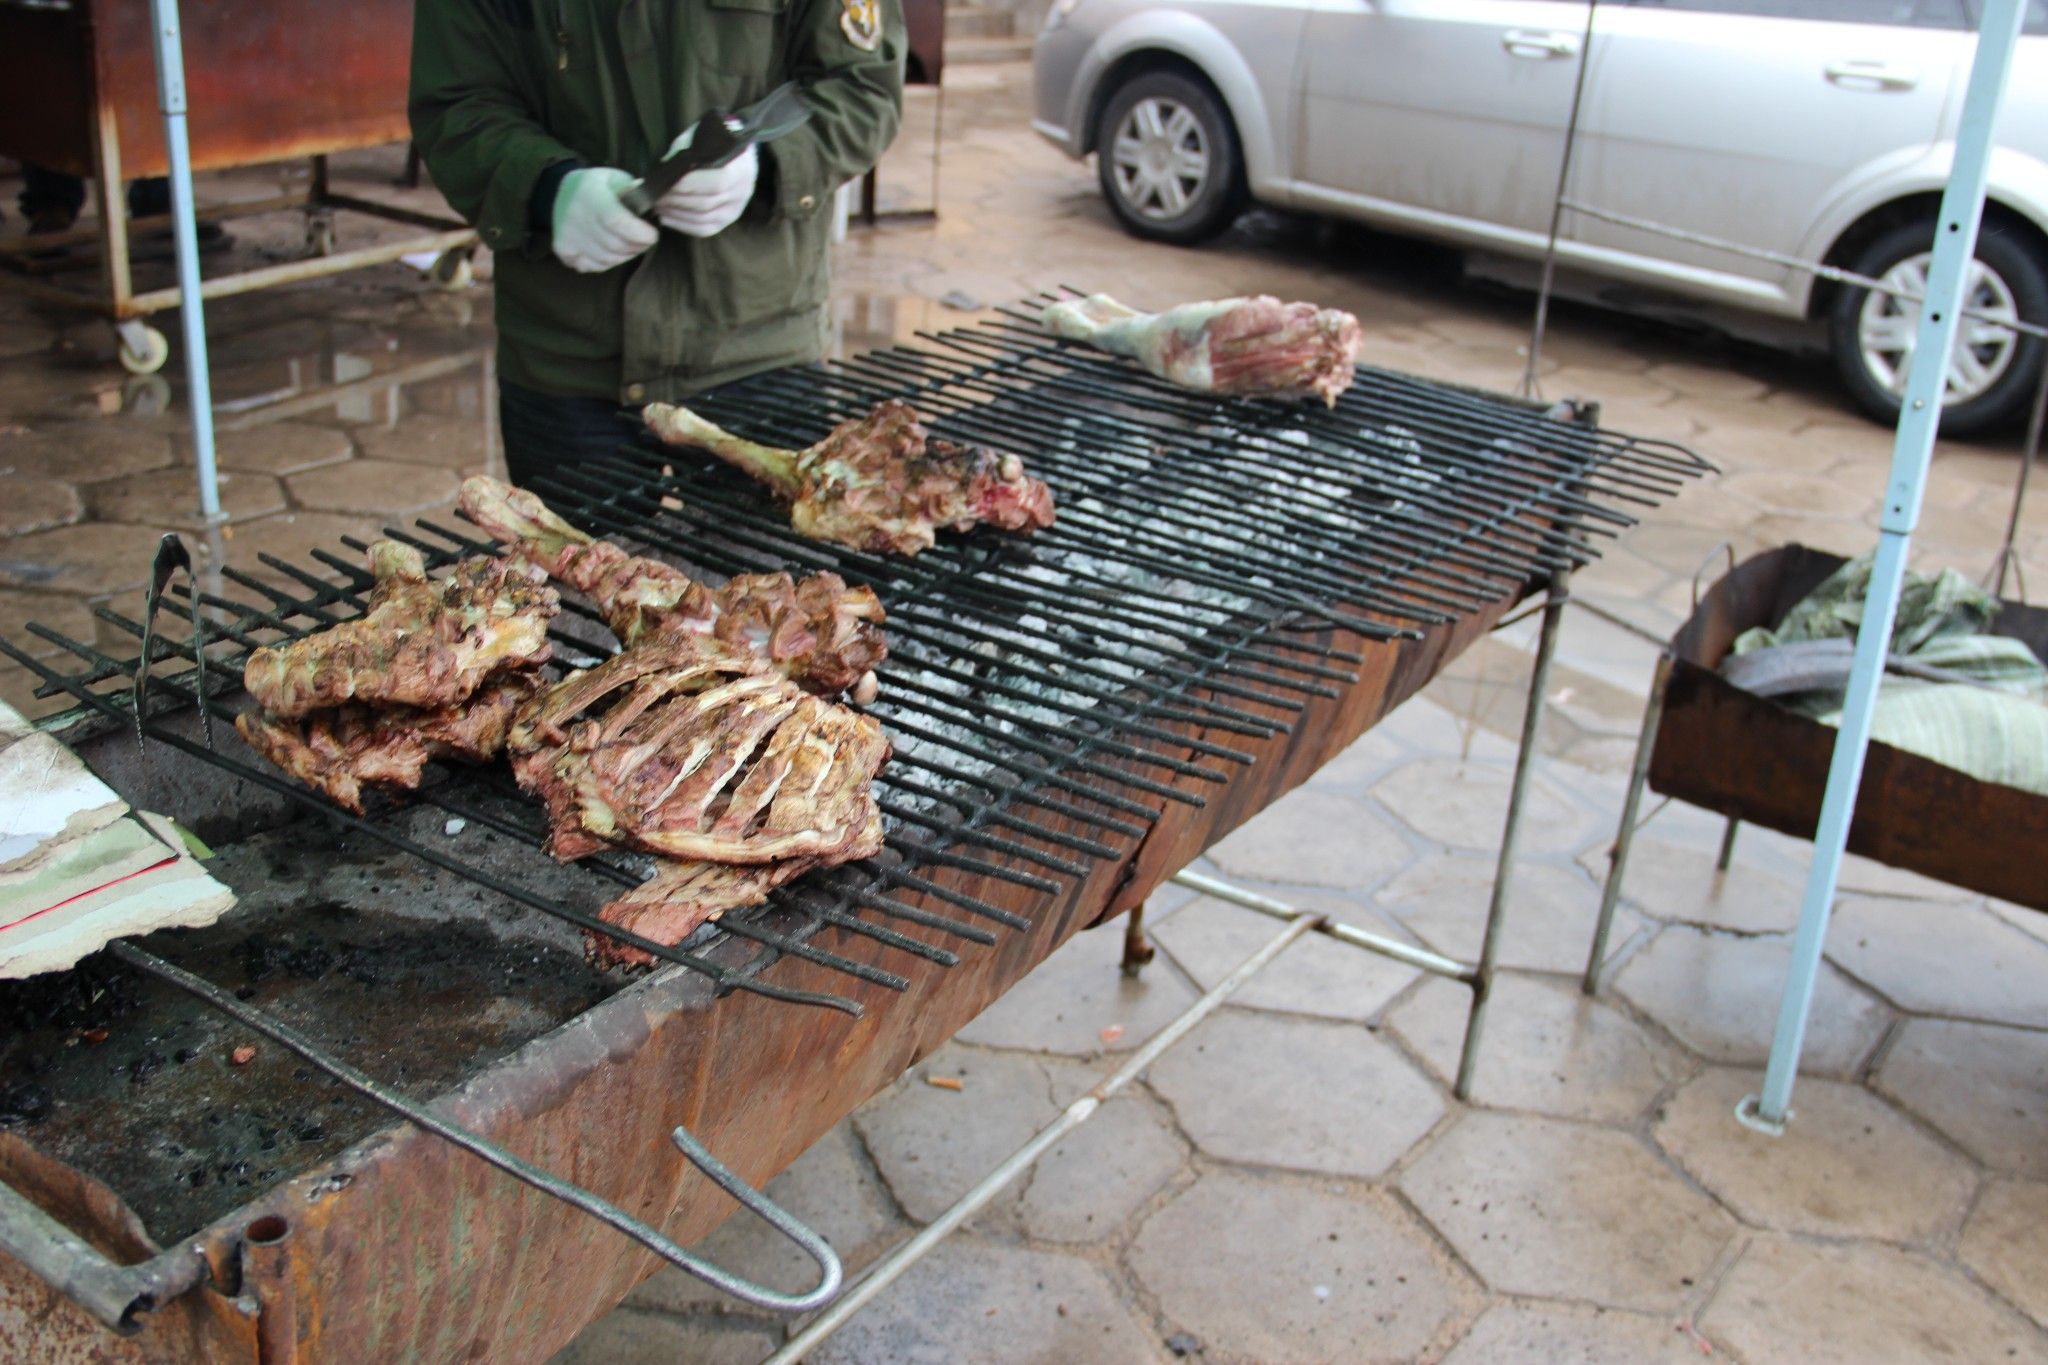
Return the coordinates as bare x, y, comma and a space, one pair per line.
1727, 853
1624, 837
1504, 870
1137, 948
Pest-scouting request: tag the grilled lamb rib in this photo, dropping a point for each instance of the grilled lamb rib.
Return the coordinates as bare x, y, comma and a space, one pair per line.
1249, 347
423, 642
822, 634
342, 750
879, 483
683, 894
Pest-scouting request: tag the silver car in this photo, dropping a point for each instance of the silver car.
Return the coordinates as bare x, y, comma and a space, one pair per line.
1816, 129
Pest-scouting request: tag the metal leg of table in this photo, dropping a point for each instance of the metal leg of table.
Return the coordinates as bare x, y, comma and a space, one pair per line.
1727, 854
1504, 869
1624, 837
1137, 948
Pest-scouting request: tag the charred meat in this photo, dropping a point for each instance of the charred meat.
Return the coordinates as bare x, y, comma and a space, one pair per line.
818, 632
879, 483
426, 643
1249, 347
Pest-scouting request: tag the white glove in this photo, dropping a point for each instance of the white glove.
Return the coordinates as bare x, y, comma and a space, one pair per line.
706, 203
593, 231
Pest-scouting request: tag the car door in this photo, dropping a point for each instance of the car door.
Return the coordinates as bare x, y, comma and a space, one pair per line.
1445, 113
1747, 119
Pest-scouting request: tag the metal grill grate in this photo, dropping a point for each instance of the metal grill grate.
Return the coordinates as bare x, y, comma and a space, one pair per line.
1205, 551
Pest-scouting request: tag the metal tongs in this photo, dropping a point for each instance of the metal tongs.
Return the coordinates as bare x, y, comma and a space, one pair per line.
171, 556
720, 137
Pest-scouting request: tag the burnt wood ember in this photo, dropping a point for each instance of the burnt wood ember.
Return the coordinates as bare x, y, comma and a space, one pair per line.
422, 642
1249, 348
880, 483
822, 634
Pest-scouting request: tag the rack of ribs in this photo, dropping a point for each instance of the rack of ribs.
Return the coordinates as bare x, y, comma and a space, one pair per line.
1253, 347
821, 634
880, 483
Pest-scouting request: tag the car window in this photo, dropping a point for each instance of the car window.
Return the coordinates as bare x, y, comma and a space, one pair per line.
1903, 13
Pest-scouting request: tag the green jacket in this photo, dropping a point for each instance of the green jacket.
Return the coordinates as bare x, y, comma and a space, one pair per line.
504, 90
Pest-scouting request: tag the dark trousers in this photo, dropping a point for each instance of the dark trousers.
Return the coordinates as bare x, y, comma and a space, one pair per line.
47, 191
544, 431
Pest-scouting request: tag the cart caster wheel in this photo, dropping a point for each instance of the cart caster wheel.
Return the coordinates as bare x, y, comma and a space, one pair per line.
143, 349
320, 234
452, 272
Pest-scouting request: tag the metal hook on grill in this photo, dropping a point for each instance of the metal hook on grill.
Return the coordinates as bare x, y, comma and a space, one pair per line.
831, 1273
171, 556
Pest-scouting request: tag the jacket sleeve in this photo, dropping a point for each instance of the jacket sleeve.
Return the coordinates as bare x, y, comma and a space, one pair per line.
856, 97
474, 120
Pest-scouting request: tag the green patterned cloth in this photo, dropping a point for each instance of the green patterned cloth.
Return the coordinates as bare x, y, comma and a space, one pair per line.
1991, 724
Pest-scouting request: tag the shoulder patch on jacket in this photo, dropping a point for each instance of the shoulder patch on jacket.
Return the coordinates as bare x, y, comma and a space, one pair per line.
861, 22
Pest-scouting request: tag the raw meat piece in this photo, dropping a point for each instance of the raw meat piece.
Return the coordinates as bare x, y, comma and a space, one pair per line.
423, 642
340, 751
702, 754
1255, 348
879, 483
823, 635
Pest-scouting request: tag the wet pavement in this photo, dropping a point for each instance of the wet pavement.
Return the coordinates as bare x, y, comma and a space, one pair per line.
1294, 1181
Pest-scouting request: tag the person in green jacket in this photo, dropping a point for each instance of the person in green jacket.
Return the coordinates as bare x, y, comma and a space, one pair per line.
534, 115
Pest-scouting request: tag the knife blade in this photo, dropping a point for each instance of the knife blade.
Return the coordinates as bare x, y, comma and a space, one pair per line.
719, 138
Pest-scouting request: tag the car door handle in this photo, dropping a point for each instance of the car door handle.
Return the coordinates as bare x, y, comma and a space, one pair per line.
1539, 46
1871, 76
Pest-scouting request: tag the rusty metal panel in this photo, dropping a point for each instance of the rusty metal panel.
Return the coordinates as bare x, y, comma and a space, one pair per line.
1729, 751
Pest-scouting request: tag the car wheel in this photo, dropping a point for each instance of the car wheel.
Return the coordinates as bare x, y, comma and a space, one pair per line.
1992, 370
1167, 156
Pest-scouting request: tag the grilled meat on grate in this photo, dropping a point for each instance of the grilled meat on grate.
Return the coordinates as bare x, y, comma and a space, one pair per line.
686, 893
879, 483
823, 635
424, 642
342, 750
1250, 348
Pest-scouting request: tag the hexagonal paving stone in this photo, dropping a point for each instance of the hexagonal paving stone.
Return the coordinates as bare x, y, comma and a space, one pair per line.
1719, 995
1558, 1210
1682, 886
1547, 925
1369, 755
2006, 1242
1854, 1304
1556, 1333
1985, 969
1314, 837
1984, 1085
36, 505
84, 452
1314, 975
832, 1188
972, 1300
389, 487
1547, 1048
460, 443
1084, 1188
1258, 1269
1069, 999
1299, 1093
932, 1145
58, 611
1690, 379
629, 1336
282, 448
1847, 1166
88, 559
1804, 494
1463, 805
170, 497
292, 537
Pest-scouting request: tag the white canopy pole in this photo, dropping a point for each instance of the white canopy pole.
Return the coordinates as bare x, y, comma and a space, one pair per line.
1955, 247
170, 89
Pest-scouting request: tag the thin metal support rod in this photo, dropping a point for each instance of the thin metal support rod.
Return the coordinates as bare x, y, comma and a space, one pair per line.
1624, 838
1510, 835
1955, 247
170, 87
1393, 948
2008, 557
886, 1271
814, 1246
1726, 856
1564, 175
1138, 949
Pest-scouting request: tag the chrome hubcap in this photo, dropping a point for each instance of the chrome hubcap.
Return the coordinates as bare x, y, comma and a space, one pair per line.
1887, 327
1160, 158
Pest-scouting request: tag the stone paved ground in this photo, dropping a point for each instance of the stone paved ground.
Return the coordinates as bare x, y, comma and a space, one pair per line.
1294, 1181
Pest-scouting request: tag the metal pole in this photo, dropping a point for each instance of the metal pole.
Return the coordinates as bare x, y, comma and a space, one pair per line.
1955, 246
170, 87
1564, 173
1625, 837
2032, 450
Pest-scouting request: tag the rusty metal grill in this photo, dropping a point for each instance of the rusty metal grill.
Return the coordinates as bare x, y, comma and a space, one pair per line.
1204, 551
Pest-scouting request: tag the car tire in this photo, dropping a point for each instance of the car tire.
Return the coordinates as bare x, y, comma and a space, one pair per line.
1168, 159
1865, 331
